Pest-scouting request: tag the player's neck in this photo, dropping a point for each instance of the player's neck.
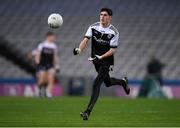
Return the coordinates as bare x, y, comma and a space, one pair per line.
105, 25
49, 41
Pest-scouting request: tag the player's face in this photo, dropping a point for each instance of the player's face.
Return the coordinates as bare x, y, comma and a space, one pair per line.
105, 19
52, 38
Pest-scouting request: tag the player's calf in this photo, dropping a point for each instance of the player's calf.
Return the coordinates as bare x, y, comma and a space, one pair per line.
42, 90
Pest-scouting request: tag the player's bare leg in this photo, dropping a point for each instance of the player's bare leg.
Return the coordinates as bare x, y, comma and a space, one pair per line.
50, 78
41, 83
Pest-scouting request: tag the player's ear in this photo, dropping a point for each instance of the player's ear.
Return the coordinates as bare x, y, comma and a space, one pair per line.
110, 17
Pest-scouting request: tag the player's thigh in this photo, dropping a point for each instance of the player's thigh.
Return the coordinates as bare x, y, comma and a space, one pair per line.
42, 76
104, 69
97, 67
51, 75
107, 81
103, 72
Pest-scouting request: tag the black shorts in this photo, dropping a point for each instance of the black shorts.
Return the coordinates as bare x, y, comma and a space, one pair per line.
107, 80
44, 67
97, 66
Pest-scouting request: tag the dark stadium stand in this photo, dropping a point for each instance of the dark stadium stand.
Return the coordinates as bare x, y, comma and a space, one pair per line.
147, 27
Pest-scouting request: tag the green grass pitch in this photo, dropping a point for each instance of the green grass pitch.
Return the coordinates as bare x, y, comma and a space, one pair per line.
109, 111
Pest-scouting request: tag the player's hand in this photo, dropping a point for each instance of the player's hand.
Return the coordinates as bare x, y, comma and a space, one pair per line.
57, 68
76, 51
98, 57
95, 59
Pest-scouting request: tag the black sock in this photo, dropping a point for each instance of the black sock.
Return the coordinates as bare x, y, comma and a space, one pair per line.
40, 92
115, 81
43, 90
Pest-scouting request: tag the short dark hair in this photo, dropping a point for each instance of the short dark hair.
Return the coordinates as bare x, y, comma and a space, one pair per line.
108, 10
50, 33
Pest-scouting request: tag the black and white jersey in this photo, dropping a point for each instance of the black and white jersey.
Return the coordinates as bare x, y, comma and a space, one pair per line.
102, 40
47, 52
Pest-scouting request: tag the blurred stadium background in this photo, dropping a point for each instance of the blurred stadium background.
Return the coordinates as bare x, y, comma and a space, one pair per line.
147, 27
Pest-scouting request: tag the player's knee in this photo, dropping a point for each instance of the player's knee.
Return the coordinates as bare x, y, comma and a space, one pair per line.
107, 85
41, 83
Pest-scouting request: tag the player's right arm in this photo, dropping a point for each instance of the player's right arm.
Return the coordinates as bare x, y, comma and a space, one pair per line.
37, 55
84, 42
82, 46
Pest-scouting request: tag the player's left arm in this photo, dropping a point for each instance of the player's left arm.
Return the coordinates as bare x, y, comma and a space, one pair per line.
56, 61
113, 47
108, 53
37, 55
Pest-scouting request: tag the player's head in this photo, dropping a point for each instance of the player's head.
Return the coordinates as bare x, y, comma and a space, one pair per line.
105, 16
50, 36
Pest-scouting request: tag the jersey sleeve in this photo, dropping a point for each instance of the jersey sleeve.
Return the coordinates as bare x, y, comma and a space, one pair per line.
114, 41
89, 33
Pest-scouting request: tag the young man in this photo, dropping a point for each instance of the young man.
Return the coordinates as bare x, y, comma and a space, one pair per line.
47, 62
104, 38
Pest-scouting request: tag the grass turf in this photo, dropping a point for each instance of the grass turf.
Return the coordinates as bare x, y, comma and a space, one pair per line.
109, 111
